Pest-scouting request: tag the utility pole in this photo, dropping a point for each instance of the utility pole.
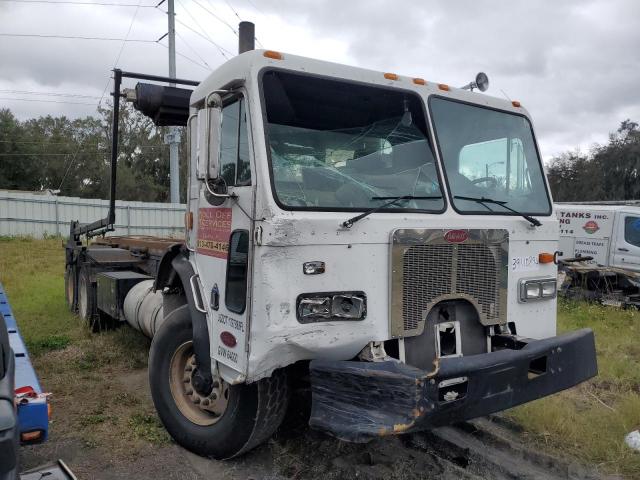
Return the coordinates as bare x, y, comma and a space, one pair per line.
173, 137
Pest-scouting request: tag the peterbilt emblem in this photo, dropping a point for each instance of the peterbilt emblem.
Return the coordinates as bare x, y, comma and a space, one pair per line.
456, 236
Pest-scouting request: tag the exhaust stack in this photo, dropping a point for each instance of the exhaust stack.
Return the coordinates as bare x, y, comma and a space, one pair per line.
246, 37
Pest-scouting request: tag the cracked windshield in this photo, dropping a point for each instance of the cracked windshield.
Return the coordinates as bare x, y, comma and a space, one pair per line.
489, 154
337, 145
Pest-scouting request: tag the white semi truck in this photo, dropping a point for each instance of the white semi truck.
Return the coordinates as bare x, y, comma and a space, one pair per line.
387, 239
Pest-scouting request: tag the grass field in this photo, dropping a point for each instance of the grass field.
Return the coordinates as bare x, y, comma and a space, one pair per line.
92, 405
84, 372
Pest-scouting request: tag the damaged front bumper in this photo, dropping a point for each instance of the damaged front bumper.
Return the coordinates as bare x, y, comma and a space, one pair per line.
356, 401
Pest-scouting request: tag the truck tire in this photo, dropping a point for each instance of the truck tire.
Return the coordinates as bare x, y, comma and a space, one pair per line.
236, 418
69, 287
87, 308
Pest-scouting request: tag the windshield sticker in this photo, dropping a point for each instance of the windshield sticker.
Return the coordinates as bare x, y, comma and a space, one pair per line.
214, 229
527, 263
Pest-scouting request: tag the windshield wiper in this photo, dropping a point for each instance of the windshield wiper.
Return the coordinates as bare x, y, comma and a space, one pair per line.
391, 201
482, 200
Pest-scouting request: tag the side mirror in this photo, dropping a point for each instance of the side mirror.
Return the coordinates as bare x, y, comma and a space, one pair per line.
214, 130
214, 134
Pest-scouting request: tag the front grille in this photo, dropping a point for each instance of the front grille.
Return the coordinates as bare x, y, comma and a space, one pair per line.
426, 275
429, 271
478, 275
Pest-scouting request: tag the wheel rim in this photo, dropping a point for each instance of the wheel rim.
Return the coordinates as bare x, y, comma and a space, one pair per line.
82, 298
199, 409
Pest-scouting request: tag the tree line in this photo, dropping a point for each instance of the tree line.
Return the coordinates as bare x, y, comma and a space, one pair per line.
73, 156
607, 172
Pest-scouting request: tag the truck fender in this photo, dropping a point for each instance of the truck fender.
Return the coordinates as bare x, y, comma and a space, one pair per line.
181, 267
166, 275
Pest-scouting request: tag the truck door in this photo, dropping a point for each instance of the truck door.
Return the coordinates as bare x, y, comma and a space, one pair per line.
627, 248
223, 229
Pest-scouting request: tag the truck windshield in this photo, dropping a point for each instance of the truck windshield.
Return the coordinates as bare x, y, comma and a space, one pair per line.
336, 145
489, 154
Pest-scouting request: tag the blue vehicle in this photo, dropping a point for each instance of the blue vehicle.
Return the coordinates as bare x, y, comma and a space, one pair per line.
24, 409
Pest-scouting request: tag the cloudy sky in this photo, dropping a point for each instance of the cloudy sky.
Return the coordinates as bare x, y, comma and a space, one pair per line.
574, 64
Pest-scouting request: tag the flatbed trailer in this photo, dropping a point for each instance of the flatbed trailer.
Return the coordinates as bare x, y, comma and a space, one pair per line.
24, 406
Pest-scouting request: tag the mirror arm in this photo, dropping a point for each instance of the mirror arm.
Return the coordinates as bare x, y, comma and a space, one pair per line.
209, 103
218, 195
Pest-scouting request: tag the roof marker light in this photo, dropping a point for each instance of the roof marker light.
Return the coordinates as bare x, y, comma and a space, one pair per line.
391, 76
419, 81
273, 54
443, 86
516, 104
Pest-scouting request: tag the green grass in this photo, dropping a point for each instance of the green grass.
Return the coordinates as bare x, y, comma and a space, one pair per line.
590, 421
84, 371
32, 272
148, 427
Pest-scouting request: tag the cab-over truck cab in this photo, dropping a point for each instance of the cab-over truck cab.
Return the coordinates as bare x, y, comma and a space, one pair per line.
393, 234
389, 240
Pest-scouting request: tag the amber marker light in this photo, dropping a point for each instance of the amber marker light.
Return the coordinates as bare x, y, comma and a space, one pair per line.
188, 220
391, 76
516, 103
31, 436
273, 54
419, 81
443, 86
546, 257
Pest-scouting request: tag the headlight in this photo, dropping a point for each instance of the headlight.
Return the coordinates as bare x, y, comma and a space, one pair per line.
322, 307
537, 289
549, 288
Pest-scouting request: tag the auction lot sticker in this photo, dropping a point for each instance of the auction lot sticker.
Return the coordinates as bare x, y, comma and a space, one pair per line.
214, 229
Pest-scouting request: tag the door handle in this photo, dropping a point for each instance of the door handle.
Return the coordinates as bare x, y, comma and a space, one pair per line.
195, 291
215, 297
620, 249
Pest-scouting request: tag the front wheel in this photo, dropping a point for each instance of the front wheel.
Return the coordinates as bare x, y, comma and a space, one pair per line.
223, 423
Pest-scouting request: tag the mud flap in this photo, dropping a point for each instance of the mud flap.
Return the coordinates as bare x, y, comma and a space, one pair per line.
356, 401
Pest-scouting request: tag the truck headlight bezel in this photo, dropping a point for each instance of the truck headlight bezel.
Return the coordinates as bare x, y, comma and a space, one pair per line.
331, 306
533, 289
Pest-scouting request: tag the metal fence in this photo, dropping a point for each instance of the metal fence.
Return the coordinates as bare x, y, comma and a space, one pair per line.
38, 215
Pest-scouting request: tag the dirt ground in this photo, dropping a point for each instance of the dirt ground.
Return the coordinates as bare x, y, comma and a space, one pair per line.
105, 428
104, 424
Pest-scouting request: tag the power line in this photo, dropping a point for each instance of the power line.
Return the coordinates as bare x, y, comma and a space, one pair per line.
45, 101
71, 37
220, 48
204, 31
195, 62
64, 2
215, 16
115, 63
48, 94
237, 15
233, 9
193, 50
254, 6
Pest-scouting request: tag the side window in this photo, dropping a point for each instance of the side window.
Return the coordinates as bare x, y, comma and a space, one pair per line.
234, 145
632, 230
236, 289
